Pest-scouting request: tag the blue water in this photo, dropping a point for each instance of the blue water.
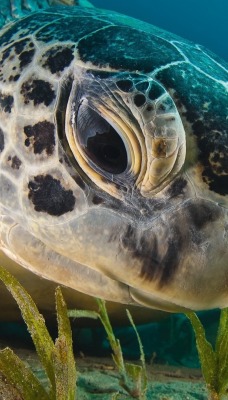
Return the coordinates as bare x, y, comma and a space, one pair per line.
202, 21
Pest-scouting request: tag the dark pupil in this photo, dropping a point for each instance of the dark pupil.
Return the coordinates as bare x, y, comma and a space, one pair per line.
108, 151
101, 142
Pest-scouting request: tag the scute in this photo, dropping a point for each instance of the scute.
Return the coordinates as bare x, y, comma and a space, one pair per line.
138, 55
202, 61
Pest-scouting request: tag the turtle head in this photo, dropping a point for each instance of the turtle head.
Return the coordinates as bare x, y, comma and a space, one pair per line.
117, 207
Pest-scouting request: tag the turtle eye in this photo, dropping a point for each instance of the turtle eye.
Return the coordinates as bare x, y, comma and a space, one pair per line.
100, 142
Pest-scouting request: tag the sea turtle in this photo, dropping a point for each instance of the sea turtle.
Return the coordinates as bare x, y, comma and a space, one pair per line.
113, 158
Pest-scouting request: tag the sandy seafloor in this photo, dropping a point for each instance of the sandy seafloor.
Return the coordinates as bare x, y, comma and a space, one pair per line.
98, 379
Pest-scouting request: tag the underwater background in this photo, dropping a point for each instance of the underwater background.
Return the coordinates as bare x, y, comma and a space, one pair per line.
201, 21
170, 340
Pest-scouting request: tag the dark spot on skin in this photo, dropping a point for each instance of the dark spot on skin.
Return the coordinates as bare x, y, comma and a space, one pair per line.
26, 57
15, 162
139, 100
2, 141
202, 214
21, 51
57, 59
177, 187
5, 55
48, 195
218, 184
159, 147
38, 91
19, 46
14, 78
6, 102
97, 200
41, 136
125, 85
145, 248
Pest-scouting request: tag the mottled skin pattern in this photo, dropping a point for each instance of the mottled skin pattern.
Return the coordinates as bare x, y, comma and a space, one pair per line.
150, 229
